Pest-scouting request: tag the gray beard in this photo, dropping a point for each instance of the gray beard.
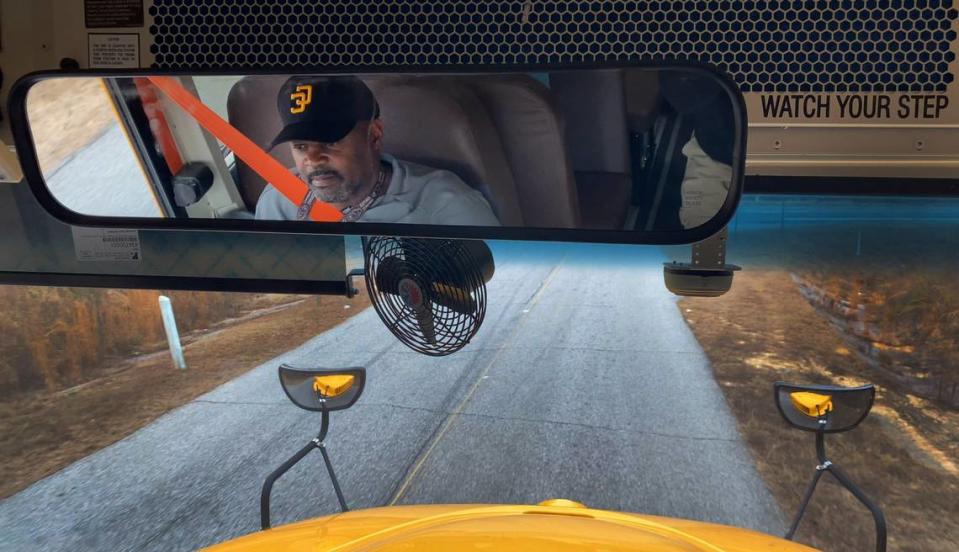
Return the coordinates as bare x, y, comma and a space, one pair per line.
340, 193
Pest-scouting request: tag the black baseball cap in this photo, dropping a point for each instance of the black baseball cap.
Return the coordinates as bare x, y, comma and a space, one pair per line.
322, 109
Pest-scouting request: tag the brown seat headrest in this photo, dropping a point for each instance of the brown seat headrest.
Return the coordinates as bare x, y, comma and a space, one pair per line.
438, 122
531, 130
251, 108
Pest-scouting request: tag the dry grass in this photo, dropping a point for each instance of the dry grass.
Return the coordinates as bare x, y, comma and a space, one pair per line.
904, 321
54, 338
902, 455
43, 432
890, 288
65, 116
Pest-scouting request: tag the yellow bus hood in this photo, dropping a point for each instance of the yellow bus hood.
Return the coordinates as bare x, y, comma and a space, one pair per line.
507, 528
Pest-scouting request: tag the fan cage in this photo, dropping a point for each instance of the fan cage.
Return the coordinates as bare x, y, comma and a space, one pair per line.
426, 262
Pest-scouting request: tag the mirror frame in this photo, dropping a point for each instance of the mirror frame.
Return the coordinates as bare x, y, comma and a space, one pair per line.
359, 383
26, 152
868, 389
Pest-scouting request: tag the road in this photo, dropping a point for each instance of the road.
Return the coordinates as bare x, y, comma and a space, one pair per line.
104, 179
583, 383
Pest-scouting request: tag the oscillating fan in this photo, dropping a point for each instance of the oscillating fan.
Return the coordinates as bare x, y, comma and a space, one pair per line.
430, 293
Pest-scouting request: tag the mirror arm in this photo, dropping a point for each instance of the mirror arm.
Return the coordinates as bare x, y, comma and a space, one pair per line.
826, 465
877, 516
805, 502
271, 479
821, 444
324, 426
315, 443
336, 482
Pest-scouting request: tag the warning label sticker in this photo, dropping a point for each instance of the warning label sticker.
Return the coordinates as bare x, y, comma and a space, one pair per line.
106, 244
898, 107
100, 14
114, 51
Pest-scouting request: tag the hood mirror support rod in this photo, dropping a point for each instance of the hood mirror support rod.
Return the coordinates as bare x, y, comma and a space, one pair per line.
315, 443
825, 465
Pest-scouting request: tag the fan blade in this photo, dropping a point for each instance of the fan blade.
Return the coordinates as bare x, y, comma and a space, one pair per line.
475, 258
454, 298
482, 257
424, 319
388, 274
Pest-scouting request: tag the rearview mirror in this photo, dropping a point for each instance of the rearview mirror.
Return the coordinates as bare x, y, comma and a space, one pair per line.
641, 154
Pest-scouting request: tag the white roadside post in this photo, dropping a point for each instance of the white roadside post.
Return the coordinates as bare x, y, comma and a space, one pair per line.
172, 335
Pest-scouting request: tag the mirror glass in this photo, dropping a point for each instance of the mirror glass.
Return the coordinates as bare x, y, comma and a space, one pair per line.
322, 389
631, 149
842, 407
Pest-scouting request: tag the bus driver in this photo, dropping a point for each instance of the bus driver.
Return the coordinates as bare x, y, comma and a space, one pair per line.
333, 128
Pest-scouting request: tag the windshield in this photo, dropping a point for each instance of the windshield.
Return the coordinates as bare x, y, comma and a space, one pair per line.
587, 381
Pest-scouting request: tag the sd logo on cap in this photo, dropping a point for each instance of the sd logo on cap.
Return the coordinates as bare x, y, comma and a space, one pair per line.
301, 97
322, 109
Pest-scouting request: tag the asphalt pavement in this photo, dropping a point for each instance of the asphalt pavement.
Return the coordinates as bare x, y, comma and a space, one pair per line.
583, 383
104, 179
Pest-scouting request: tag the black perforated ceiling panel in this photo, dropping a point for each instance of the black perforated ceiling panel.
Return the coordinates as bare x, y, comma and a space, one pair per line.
768, 46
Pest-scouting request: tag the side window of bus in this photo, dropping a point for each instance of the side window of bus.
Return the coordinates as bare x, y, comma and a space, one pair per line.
80, 136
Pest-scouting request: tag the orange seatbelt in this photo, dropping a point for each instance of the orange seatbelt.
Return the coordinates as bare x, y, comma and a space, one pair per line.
158, 124
261, 162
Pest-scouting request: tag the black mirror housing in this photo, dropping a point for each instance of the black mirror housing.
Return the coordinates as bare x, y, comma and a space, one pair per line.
829, 408
322, 389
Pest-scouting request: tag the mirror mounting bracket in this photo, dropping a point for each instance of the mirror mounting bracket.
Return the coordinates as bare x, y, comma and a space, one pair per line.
707, 275
711, 252
350, 290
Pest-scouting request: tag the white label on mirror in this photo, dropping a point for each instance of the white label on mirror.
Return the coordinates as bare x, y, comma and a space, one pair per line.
106, 244
114, 51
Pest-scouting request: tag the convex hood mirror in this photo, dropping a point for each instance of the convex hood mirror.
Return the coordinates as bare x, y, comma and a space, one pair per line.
829, 408
322, 389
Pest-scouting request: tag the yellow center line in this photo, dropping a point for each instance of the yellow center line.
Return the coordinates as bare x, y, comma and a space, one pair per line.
455, 414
